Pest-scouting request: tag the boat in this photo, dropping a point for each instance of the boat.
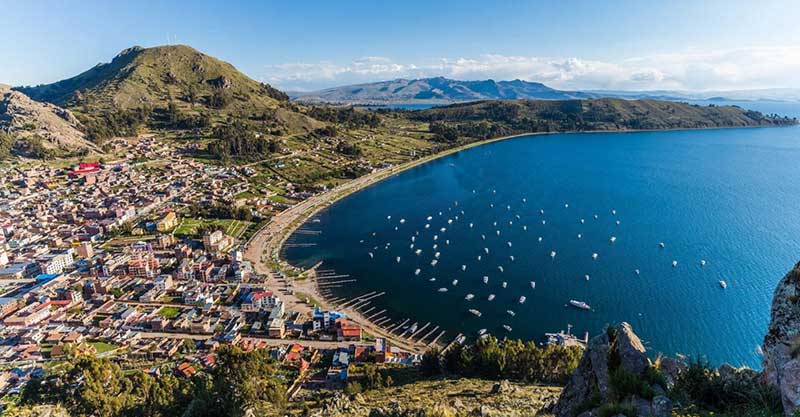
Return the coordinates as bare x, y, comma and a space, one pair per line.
402, 221
636, 271
511, 313
540, 239
470, 225
586, 276
447, 242
443, 230
613, 239
398, 259
617, 222
541, 211
435, 237
443, 289
595, 217
544, 221
594, 256
566, 205
552, 253
524, 200
371, 255
483, 237
511, 257
463, 267
500, 268
505, 284
580, 235
486, 250
498, 233
674, 264
522, 299
432, 280
437, 255
417, 271
449, 221
479, 258
509, 244
435, 246
485, 279
583, 221
613, 212
507, 327
490, 298
418, 251
533, 285
455, 282
525, 228
661, 245
413, 328
411, 246
429, 218
702, 262
723, 284
475, 312
481, 332
388, 217
580, 304
434, 262
469, 297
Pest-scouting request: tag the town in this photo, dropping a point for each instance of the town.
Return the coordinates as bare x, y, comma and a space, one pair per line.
115, 259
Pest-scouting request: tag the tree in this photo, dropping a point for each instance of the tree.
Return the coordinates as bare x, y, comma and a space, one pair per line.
431, 363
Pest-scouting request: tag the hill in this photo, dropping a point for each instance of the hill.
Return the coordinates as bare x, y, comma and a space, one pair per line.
489, 119
436, 90
153, 79
38, 129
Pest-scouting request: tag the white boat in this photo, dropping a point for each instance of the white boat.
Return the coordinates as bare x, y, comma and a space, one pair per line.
402, 221
511, 257
486, 250
674, 264
617, 222
479, 258
483, 237
525, 228
586, 277
455, 282
449, 221
511, 313
443, 230
411, 246
435, 237
481, 332
447, 242
552, 254
443, 289
508, 207
580, 235
595, 217
544, 221
614, 212
469, 297
566, 205
580, 304
398, 259
507, 327
485, 279
432, 280
661, 245
583, 221
417, 271
594, 256
522, 299
533, 285
524, 200
388, 217
470, 225
613, 239
371, 255
723, 284
505, 284
500, 268
541, 211
498, 233
429, 218
702, 262
540, 239
434, 262
437, 255
435, 246
637, 272
509, 244
490, 298
418, 251
475, 312
463, 267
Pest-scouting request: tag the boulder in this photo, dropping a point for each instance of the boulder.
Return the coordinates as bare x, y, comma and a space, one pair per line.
590, 377
671, 368
661, 406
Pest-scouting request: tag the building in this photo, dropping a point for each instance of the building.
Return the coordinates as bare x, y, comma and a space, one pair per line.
163, 282
85, 250
277, 328
168, 222
259, 301
348, 331
144, 266
216, 241
54, 263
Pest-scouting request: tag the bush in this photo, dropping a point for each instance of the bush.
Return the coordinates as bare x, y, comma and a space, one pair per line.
353, 388
611, 410
624, 384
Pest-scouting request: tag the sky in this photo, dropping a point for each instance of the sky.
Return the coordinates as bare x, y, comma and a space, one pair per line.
307, 45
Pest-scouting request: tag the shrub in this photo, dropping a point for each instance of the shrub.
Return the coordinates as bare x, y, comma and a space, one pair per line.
625, 383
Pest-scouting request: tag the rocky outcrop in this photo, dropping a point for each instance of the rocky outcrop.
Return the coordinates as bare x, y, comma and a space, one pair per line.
616, 356
24, 118
781, 347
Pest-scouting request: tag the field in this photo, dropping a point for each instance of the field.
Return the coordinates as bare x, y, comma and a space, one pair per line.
235, 228
169, 312
103, 347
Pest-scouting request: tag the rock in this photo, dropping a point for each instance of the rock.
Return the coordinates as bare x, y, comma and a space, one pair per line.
501, 387
631, 351
671, 368
782, 342
661, 406
641, 406
221, 82
726, 371
589, 377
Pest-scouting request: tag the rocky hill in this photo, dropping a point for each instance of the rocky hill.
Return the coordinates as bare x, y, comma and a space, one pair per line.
155, 78
436, 90
782, 343
36, 127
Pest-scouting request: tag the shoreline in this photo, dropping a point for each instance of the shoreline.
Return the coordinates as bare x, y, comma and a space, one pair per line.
265, 245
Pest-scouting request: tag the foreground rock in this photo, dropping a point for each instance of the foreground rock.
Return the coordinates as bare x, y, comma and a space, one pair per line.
782, 343
615, 374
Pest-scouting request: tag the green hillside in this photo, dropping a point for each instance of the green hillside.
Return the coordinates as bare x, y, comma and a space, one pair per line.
150, 80
488, 119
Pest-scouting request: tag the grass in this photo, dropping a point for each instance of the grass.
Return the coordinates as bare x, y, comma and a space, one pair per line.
304, 296
169, 312
189, 226
102, 347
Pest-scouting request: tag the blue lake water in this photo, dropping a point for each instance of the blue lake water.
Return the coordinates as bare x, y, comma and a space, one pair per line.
727, 196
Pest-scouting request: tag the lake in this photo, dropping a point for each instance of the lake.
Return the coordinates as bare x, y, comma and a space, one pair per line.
727, 197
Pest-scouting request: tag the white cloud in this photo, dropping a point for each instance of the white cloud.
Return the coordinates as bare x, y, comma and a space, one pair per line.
744, 68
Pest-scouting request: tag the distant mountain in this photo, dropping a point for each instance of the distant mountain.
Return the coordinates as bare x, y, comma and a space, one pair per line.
438, 90
154, 78
441, 90
39, 129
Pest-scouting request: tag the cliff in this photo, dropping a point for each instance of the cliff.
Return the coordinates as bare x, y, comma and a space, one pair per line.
781, 362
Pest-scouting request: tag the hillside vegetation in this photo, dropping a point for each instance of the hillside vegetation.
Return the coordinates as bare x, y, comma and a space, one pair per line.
489, 119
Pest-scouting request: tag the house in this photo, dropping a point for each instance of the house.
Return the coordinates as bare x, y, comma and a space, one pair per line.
277, 328
348, 331
168, 222
259, 301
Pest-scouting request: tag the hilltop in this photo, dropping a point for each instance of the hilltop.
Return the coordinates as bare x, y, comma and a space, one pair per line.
39, 129
436, 90
152, 79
